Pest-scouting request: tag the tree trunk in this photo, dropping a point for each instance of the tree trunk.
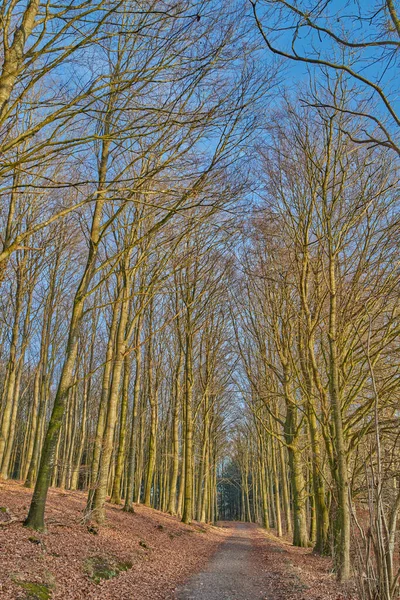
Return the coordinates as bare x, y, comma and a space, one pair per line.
342, 551
119, 465
175, 437
112, 409
35, 518
188, 392
132, 443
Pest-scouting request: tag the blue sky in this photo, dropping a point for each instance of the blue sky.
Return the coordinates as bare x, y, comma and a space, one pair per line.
351, 20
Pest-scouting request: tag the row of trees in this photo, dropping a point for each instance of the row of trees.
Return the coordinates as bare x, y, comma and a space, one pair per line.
149, 383
318, 299
200, 294
318, 335
123, 132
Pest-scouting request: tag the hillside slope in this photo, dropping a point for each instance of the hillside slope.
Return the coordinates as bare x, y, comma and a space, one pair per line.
151, 551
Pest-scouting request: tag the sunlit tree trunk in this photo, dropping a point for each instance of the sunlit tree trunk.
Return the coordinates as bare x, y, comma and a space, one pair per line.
175, 434
187, 514
35, 518
299, 492
12, 368
343, 549
112, 406
285, 490
152, 449
119, 464
136, 398
82, 437
105, 391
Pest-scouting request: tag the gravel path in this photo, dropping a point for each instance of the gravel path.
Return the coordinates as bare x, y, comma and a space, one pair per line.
230, 575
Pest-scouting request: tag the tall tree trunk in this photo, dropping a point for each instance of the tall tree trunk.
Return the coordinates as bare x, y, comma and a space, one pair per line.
151, 459
12, 369
277, 494
35, 518
112, 408
82, 438
130, 484
300, 533
188, 393
140, 453
342, 551
263, 483
175, 436
285, 490
119, 464
105, 391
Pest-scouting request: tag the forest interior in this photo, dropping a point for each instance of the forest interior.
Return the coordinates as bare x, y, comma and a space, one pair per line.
200, 300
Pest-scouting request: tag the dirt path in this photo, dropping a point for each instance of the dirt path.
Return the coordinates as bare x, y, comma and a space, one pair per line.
230, 574
253, 564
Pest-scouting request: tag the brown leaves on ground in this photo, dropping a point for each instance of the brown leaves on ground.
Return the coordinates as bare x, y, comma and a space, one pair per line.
162, 551
296, 573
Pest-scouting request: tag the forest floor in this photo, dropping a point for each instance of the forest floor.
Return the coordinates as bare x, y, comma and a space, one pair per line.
253, 564
152, 551
148, 555
292, 573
